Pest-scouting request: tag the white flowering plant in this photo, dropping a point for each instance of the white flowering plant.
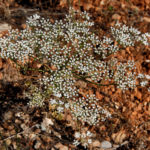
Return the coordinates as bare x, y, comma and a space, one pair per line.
68, 51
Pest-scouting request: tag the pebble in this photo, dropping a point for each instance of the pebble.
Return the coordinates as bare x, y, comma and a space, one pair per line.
106, 144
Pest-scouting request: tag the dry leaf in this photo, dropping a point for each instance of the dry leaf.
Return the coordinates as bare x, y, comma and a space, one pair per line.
99, 96
116, 17
81, 84
119, 137
96, 144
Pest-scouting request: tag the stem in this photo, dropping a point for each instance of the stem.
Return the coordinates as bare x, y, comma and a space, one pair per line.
84, 79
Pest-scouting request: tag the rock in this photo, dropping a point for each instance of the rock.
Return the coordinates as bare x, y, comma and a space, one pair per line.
8, 115
4, 27
116, 17
106, 144
96, 144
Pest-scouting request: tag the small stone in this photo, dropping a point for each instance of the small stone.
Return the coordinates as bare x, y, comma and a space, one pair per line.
116, 17
96, 144
106, 144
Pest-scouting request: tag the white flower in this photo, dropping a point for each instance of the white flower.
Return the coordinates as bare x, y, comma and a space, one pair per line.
58, 95
89, 141
143, 83
140, 75
67, 105
147, 77
60, 109
36, 16
85, 145
83, 135
76, 142
77, 135
53, 101
89, 133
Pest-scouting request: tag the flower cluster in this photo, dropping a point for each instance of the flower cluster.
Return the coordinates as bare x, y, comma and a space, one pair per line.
106, 47
60, 105
88, 110
36, 96
84, 138
60, 84
124, 76
127, 36
143, 79
67, 51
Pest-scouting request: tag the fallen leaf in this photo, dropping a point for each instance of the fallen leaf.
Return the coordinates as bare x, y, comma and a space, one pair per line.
96, 144
116, 17
119, 137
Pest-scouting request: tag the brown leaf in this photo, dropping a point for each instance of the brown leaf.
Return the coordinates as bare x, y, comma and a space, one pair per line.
119, 137
96, 144
116, 17
81, 84
99, 96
